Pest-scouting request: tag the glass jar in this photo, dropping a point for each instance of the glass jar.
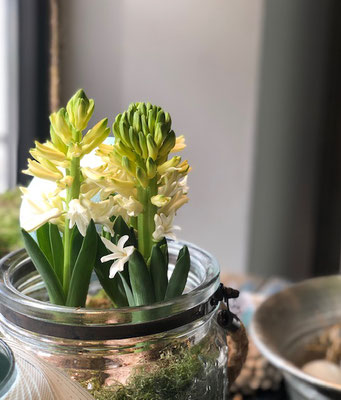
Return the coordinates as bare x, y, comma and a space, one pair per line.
7, 369
170, 350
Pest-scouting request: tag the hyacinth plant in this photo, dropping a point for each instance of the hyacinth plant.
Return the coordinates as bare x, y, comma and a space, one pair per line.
113, 217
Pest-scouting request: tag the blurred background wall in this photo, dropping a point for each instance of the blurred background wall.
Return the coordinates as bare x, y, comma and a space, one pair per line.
199, 60
254, 85
293, 103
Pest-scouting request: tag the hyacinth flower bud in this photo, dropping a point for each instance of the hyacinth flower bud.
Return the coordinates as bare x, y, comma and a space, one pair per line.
49, 151
130, 113
134, 140
57, 141
151, 168
128, 165
126, 150
160, 118
142, 177
124, 129
61, 126
158, 136
137, 122
161, 133
152, 148
172, 163
167, 145
151, 119
145, 129
44, 170
117, 154
168, 122
95, 136
116, 127
142, 108
80, 110
143, 145
160, 200
142, 130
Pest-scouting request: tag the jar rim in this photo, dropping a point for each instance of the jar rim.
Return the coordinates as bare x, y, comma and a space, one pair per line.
18, 302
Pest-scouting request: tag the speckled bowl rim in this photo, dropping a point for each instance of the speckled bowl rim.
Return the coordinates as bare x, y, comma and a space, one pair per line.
275, 358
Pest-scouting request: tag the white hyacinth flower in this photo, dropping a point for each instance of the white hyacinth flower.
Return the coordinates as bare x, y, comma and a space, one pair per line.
79, 215
164, 227
176, 202
101, 212
38, 208
82, 210
119, 253
183, 185
132, 206
35, 221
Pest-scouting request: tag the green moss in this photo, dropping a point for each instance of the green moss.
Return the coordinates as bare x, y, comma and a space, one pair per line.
170, 378
98, 390
10, 237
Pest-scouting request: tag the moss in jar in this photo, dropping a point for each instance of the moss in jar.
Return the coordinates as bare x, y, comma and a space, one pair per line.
172, 377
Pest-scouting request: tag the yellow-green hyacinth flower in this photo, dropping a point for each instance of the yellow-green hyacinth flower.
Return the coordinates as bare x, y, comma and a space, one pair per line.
139, 171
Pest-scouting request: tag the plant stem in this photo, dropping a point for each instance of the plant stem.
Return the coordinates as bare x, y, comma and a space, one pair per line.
67, 254
145, 220
71, 193
133, 222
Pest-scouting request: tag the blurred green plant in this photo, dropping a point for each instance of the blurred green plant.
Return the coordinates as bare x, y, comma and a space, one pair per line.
10, 236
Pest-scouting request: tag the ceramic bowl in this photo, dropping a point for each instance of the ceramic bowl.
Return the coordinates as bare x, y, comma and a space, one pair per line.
288, 321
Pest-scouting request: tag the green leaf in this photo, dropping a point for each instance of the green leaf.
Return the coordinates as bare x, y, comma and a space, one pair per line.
113, 287
178, 280
43, 237
141, 282
127, 289
158, 271
53, 286
57, 249
76, 244
132, 237
80, 279
164, 248
121, 228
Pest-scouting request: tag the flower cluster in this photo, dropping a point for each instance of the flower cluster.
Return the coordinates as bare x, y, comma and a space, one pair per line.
58, 160
132, 192
137, 170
